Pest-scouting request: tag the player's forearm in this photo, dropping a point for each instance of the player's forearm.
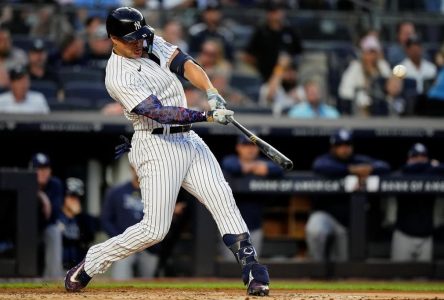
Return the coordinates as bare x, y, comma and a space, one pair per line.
153, 109
197, 76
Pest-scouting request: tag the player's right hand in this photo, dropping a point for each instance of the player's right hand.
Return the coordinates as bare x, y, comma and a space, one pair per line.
219, 116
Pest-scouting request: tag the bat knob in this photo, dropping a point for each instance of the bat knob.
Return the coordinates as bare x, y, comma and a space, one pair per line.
287, 165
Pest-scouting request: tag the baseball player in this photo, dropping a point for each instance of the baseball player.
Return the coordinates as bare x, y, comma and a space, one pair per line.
165, 152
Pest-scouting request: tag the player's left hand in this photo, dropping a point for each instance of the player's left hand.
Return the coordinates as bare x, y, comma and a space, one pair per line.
122, 148
215, 100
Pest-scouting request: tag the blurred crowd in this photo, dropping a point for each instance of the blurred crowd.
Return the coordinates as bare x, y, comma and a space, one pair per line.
53, 55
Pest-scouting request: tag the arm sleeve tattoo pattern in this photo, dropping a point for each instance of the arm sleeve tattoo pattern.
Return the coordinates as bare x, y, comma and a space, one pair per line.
153, 109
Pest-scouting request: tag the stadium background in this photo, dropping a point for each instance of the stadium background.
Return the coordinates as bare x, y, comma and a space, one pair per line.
81, 141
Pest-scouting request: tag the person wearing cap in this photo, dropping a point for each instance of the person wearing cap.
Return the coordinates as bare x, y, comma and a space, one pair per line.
78, 228
417, 66
10, 56
327, 227
38, 64
412, 238
211, 28
50, 191
359, 82
19, 99
247, 163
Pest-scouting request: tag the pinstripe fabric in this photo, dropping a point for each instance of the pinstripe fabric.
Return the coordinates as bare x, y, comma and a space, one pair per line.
163, 162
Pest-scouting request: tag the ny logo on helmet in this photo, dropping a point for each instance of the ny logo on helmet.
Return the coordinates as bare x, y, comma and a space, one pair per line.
137, 25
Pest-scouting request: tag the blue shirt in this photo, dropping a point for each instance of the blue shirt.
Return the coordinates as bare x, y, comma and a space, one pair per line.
436, 92
305, 110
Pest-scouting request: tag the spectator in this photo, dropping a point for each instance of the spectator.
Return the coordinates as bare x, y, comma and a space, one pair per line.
123, 208
92, 23
270, 40
211, 28
173, 33
98, 49
72, 53
51, 24
393, 104
327, 226
413, 235
282, 90
418, 68
19, 99
78, 228
313, 107
50, 191
436, 91
233, 96
9, 56
211, 57
38, 67
396, 52
359, 83
248, 163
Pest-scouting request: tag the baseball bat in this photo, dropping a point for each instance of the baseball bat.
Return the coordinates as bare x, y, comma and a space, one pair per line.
266, 148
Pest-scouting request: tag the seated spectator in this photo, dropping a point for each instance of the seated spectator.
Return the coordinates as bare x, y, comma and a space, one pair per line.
418, 68
123, 208
72, 53
247, 163
173, 33
393, 104
19, 99
50, 195
51, 24
327, 226
282, 90
211, 28
10, 56
436, 91
396, 52
78, 228
233, 96
269, 40
38, 67
413, 235
359, 82
98, 49
314, 106
212, 59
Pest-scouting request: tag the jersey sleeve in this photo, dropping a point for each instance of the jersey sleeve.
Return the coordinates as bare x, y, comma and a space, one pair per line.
129, 91
165, 48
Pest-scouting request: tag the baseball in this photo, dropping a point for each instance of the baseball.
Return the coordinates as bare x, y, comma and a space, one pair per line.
399, 71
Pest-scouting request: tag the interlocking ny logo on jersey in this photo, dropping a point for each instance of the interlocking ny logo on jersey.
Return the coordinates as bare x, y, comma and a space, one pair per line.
137, 25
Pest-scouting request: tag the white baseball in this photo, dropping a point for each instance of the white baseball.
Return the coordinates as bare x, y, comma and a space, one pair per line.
399, 71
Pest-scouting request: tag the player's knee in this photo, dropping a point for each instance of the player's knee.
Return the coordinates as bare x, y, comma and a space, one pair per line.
153, 235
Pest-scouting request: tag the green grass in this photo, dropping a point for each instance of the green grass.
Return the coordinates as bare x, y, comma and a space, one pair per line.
400, 286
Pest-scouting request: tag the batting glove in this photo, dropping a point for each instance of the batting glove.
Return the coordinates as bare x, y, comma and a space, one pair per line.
215, 100
122, 148
219, 116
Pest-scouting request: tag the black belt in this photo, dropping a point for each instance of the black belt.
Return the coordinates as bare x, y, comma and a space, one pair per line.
175, 129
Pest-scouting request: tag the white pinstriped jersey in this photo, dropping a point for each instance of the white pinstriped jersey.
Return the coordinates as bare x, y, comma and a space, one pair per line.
130, 81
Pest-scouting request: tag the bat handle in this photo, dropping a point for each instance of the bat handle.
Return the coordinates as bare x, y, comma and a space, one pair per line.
229, 119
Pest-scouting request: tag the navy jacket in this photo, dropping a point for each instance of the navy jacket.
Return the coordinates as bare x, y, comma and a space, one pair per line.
329, 166
54, 191
249, 207
415, 212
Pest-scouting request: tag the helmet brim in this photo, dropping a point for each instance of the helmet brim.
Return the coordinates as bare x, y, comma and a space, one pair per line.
143, 33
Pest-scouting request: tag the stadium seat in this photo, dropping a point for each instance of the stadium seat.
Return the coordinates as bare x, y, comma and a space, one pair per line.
46, 87
91, 91
73, 103
80, 74
248, 84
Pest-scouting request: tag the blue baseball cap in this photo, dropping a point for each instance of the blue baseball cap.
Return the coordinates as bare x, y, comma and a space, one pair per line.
340, 137
75, 187
40, 160
242, 139
418, 149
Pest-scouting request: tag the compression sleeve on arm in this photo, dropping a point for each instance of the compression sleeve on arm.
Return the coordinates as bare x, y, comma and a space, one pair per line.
152, 108
177, 65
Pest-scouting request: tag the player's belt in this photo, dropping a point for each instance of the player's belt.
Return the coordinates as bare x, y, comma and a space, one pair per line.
175, 129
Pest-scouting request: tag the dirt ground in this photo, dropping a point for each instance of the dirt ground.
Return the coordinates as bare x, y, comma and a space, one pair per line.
201, 294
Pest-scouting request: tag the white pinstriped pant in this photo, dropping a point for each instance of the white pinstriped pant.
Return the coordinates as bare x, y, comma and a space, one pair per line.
164, 163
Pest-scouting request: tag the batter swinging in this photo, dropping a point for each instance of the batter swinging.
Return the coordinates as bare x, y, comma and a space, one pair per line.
166, 154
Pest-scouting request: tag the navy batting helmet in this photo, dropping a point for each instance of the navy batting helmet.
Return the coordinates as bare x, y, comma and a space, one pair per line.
129, 24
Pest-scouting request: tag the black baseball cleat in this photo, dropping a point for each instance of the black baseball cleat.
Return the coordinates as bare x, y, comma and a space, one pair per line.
256, 288
76, 278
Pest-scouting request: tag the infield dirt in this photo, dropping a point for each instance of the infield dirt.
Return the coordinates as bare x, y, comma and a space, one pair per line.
207, 294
